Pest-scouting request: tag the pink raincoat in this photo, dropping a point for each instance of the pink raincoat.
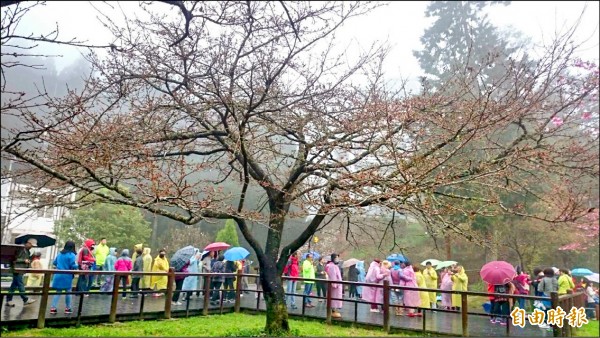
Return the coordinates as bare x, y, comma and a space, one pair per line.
333, 274
446, 285
386, 273
374, 276
411, 298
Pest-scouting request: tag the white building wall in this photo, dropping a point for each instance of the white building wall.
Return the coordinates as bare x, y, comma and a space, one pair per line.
21, 220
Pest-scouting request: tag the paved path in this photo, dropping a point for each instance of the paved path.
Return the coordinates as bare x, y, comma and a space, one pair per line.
449, 323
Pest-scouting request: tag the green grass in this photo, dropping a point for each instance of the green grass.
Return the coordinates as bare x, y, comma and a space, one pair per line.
589, 330
233, 325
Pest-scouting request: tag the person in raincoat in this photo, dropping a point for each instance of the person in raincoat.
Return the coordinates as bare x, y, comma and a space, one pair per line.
63, 282
447, 286
460, 282
191, 282
35, 279
398, 294
565, 282
322, 275
161, 264
86, 261
135, 250
352, 277
124, 264
308, 271
109, 265
386, 269
374, 276
101, 252
138, 266
360, 266
333, 272
147, 267
408, 278
431, 281
423, 295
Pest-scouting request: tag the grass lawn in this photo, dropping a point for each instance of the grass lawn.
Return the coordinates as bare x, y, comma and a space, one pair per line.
589, 330
234, 325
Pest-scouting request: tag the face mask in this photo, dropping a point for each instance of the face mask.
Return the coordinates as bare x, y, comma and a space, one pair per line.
336, 260
162, 255
92, 248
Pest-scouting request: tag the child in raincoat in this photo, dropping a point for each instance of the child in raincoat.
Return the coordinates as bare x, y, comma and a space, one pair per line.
147, 267
423, 295
191, 282
460, 282
35, 279
109, 265
161, 264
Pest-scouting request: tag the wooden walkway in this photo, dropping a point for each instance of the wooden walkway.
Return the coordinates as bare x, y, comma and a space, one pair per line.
97, 307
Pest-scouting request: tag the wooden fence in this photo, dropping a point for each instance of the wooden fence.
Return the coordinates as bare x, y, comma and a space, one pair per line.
576, 299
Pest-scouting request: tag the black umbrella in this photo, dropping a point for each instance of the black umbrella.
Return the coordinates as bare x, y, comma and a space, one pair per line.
43, 240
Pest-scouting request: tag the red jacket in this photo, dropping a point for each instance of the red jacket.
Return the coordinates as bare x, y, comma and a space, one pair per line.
85, 255
490, 289
292, 269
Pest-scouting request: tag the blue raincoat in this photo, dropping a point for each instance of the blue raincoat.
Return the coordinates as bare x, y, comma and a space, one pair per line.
360, 266
191, 282
109, 265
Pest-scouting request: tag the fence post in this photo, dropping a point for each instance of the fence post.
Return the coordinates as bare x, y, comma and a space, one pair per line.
328, 303
169, 294
570, 303
41, 322
554, 301
238, 288
206, 295
464, 309
112, 317
386, 306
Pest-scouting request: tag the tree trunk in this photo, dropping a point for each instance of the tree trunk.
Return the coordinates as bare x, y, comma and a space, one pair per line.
154, 230
277, 315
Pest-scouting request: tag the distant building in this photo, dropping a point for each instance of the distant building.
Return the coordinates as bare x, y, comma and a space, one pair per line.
18, 217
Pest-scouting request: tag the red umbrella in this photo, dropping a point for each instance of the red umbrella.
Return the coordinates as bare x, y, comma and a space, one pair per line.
497, 272
218, 246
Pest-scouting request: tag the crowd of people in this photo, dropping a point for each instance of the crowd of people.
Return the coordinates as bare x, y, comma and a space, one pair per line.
101, 257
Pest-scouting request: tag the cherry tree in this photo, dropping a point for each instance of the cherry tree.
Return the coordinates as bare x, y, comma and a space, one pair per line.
254, 93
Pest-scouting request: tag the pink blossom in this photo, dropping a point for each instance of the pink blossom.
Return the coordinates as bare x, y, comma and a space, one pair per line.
558, 121
586, 115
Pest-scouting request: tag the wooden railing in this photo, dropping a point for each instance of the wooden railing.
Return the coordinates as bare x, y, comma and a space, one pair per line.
565, 301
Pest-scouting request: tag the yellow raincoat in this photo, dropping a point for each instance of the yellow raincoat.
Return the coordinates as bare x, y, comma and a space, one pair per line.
565, 282
147, 267
422, 294
160, 265
135, 249
460, 281
431, 279
35, 279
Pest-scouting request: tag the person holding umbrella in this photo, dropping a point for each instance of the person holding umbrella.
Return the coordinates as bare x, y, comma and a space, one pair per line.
180, 263
22, 261
217, 279
333, 271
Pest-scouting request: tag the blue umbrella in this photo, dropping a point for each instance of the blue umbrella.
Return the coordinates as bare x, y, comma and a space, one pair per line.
314, 254
397, 257
236, 253
581, 272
